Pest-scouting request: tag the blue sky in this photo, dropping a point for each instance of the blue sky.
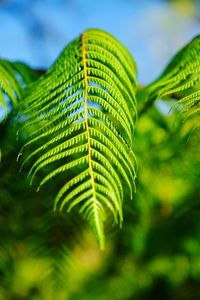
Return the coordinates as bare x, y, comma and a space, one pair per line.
36, 31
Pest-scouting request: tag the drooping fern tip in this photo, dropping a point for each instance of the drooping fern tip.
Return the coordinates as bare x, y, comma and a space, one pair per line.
80, 117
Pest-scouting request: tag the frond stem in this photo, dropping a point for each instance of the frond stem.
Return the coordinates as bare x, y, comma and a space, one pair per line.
88, 137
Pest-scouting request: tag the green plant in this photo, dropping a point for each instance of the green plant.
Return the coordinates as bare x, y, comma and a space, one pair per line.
76, 121
79, 126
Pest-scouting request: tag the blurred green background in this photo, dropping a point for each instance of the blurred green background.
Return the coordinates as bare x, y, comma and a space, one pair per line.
156, 255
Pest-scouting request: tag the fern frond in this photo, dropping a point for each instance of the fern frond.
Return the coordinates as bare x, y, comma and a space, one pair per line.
13, 77
180, 80
80, 117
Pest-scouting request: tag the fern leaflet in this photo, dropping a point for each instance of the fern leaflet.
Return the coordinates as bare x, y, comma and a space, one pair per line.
180, 80
13, 77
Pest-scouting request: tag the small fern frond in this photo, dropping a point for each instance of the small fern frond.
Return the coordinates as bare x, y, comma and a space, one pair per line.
80, 117
13, 77
180, 80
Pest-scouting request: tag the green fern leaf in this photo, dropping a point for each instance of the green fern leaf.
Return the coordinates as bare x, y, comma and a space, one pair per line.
13, 77
80, 117
180, 80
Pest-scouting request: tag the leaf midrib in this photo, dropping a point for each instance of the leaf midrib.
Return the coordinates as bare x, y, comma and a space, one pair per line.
95, 204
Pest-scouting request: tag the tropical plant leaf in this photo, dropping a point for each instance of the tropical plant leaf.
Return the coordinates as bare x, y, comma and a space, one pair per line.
13, 77
80, 118
180, 80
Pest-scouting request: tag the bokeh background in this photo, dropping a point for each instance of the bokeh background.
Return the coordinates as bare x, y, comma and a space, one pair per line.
156, 255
